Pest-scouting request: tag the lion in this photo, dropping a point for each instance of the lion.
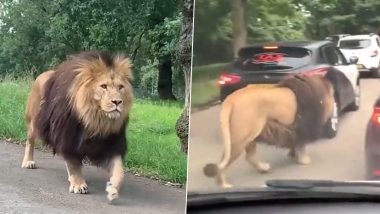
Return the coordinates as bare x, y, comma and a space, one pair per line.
81, 111
288, 115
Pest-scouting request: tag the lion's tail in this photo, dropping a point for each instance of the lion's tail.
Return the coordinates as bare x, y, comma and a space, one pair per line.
211, 170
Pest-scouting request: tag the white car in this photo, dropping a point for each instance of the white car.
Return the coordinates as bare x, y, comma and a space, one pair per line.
366, 48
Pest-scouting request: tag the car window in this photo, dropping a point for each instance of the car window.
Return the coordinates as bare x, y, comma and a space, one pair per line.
354, 43
261, 59
378, 41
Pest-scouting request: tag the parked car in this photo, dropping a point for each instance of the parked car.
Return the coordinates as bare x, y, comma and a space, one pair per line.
372, 143
366, 48
336, 37
265, 65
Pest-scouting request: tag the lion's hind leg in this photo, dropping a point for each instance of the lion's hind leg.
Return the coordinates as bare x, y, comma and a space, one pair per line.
77, 182
254, 160
28, 161
300, 155
221, 179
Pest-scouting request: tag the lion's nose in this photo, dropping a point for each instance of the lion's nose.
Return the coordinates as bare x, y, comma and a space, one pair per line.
117, 102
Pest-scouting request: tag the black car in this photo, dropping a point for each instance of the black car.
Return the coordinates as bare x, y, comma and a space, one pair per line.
372, 144
267, 64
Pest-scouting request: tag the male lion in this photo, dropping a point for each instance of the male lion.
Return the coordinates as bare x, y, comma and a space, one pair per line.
288, 115
81, 111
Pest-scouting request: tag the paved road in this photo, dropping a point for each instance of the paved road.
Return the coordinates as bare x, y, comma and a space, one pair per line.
341, 158
45, 190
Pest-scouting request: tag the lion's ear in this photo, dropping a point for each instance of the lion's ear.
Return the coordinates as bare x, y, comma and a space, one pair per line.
124, 66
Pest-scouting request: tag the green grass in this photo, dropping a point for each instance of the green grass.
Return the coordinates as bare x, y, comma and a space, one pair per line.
153, 149
204, 84
203, 92
208, 72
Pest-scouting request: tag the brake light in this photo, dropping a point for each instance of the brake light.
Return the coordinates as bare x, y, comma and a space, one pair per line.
376, 172
315, 72
270, 47
376, 116
374, 53
226, 79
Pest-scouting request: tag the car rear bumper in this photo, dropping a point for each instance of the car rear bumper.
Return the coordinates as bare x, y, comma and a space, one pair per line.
249, 78
225, 90
367, 65
372, 166
364, 68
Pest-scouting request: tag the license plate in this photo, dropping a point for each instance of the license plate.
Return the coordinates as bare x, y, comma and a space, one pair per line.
359, 66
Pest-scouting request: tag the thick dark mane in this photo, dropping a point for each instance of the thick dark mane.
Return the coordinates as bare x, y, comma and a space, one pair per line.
308, 125
58, 125
106, 57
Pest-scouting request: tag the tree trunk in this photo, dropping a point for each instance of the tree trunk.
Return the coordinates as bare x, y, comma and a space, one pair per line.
165, 81
239, 30
184, 54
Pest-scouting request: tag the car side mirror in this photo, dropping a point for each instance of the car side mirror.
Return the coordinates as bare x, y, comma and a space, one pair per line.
354, 59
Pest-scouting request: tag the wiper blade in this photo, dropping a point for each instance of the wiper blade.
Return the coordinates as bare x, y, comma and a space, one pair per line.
308, 184
292, 189
213, 199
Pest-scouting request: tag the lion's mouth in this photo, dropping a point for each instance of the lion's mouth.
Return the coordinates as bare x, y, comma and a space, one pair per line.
113, 114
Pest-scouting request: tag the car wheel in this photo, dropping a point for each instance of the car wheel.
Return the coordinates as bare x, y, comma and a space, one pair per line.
331, 127
376, 72
223, 96
372, 166
356, 104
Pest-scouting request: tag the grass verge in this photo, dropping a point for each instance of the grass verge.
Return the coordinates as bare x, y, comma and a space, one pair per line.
204, 88
153, 149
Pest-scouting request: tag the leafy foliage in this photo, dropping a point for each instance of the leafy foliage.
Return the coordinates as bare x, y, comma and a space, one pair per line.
266, 21
277, 20
37, 35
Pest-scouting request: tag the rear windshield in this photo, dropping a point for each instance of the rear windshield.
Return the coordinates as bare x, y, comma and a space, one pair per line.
354, 44
283, 58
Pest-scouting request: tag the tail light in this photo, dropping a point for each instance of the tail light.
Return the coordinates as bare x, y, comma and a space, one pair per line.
374, 53
314, 72
227, 79
376, 116
376, 172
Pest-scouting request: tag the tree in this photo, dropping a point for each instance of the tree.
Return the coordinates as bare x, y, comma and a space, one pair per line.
222, 26
184, 53
239, 29
37, 35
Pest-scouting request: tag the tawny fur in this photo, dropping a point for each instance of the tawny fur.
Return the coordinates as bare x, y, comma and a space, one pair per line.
94, 90
255, 114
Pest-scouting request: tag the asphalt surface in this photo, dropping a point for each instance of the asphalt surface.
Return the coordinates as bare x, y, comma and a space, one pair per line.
46, 189
340, 158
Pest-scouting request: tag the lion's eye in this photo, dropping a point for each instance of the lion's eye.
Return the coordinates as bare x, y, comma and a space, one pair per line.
121, 87
103, 86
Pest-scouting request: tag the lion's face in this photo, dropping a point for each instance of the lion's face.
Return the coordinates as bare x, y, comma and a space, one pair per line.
102, 93
111, 94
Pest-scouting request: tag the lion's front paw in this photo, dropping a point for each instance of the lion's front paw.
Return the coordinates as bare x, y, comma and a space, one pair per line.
113, 193
263, 167
304, 160
29, 165
227, 185
78, 188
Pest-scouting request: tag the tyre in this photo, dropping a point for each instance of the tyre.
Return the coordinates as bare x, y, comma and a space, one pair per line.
356, 104
331, 127
376, 72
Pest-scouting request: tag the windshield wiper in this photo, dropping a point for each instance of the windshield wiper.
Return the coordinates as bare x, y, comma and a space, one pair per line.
308, 184
292, 189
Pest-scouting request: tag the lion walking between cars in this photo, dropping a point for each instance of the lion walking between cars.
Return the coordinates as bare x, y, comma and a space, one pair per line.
81, 111
289, 115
